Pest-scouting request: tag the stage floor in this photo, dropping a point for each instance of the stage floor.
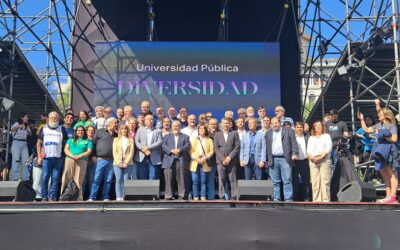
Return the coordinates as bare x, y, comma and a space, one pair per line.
104, 206
199, 225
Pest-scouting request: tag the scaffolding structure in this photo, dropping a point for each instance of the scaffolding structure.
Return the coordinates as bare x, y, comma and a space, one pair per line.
45, 40
351, 31
42, 31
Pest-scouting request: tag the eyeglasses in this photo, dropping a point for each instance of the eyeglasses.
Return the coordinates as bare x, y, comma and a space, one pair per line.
209, 116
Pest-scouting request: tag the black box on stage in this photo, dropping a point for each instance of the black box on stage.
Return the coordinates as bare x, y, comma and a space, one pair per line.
16, 190
142, 189
255, 189
356, 191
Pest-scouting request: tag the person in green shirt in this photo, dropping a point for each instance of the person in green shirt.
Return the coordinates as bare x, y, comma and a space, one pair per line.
83, 120
77, 151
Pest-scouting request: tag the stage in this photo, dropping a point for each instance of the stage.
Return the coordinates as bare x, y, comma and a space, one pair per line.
199, 225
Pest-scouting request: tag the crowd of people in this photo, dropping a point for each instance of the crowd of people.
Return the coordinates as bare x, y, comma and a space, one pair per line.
199, 157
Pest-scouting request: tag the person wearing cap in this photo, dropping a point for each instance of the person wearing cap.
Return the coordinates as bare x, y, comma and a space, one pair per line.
336, 129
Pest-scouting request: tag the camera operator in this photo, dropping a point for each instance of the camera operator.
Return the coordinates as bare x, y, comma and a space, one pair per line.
19, 148
336, 129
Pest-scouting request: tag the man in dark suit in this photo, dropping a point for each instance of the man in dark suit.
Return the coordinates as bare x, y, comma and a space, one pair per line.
282, 150
176, 148
227, 147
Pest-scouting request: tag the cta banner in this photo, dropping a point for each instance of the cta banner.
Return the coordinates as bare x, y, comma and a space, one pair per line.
202, 76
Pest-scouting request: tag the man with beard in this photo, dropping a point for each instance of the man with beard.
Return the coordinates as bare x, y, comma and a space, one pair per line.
160, 115
282, 150
50, 146
176, 148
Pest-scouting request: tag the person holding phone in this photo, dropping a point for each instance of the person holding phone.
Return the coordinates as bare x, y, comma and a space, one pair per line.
385, 152
19, 148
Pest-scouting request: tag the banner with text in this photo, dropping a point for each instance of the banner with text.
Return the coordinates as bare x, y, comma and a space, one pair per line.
202, 76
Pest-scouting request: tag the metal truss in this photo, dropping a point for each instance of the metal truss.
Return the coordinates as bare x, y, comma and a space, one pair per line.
332, 32
43, 32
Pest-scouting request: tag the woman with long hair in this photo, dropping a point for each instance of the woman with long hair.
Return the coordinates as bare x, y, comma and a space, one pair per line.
19, 148
77, 151
91, 165
385, 152
83, 120
202, 150
319, 149
123, 151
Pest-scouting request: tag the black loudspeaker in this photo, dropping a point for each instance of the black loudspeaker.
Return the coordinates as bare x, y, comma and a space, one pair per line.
356, 191
255, 189
25, 192
7, 190
142, 189
16, 191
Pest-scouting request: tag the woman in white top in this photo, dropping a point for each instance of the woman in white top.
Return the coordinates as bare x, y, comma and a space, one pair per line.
19, 148
319, 148
123, 150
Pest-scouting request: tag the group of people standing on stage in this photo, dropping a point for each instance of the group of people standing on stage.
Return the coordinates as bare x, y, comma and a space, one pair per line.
192, 152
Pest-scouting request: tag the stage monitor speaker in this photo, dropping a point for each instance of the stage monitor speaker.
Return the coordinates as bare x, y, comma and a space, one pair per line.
25, 192
356, 191
8, 190
255, 189
16, 191
142, 189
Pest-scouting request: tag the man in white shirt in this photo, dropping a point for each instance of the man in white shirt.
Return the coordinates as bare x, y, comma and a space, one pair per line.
99, 121
301, 170
50, 150
191, 129
282, 150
